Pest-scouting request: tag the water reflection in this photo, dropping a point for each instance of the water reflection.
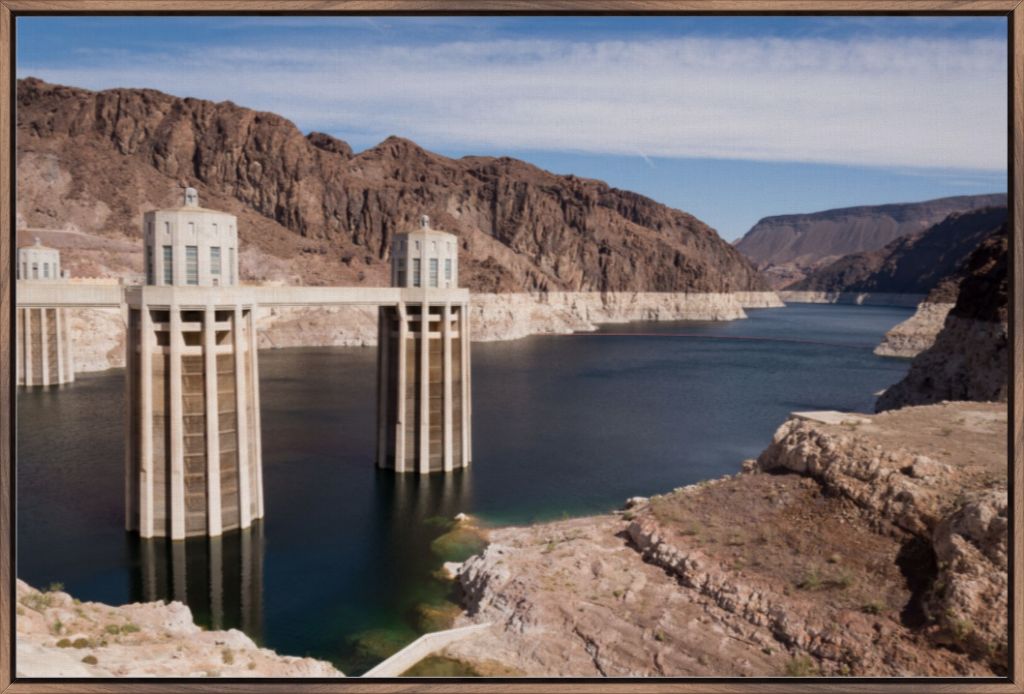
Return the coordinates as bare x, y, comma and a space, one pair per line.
219, 578
421, 497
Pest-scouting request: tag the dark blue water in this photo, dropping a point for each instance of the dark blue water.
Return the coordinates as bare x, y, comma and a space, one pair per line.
341, 566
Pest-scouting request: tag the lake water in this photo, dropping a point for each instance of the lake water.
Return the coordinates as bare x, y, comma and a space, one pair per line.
341, 567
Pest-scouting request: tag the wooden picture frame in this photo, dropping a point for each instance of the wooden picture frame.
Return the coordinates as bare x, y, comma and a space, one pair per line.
1012, 9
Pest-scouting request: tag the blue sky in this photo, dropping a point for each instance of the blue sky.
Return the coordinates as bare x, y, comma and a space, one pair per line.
731, 119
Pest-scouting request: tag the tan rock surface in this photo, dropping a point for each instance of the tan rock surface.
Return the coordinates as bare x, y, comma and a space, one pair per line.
917, 333
876, 547
58, 636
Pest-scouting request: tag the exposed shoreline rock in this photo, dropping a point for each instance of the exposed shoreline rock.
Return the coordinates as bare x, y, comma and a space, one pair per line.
915, 334
855, 545
970, 358
858, 298
493, 317
58, 636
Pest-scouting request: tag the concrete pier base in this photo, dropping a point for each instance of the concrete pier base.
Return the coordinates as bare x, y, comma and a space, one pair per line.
193, 457
43, 355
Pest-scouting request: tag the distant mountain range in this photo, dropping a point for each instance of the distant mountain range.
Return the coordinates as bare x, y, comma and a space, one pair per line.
787, 248
918, 263
313, 212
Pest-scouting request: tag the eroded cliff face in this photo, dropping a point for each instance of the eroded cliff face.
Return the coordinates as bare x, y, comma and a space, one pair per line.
970, 357
312, 212
855, 545
917, 333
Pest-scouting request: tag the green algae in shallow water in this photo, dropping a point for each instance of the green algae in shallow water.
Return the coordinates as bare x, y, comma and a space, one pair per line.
439, 522
436, 617
374, 645
441, 666
459, 544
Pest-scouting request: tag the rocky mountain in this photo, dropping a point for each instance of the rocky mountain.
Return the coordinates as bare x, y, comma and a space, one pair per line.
970, 357
785, 248
311, 211
914, 264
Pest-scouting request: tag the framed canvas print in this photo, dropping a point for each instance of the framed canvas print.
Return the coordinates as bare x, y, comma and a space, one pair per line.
512, 346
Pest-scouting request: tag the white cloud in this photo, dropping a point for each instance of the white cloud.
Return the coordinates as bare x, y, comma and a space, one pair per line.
926, 103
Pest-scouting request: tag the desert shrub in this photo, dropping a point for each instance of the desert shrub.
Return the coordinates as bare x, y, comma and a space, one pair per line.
801, 666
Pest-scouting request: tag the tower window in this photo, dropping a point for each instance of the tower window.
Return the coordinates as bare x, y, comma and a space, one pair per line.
231, 265
35, 271
149, 266
191, 265
46, 271
168, 265
416, 272
433, 272
167, 227
214, 260
191, 228
448, 268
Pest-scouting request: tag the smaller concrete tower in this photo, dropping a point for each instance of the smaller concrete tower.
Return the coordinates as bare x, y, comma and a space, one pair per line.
424, 397
194, 459
43, 354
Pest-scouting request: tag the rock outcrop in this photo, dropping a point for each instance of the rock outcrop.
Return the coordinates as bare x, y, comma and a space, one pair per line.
970, 357
312, 212
917, 333
855, 545
788, 247
58, 636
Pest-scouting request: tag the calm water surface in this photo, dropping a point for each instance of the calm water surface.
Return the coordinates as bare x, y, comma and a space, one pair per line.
341, 568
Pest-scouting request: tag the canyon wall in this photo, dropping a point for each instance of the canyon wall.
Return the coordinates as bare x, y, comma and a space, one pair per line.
970, 357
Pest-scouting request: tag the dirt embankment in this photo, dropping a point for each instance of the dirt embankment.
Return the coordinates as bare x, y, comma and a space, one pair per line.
855, 545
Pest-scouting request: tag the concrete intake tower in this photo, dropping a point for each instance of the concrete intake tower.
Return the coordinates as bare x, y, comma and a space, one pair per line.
423, 382
193, 461
43, 354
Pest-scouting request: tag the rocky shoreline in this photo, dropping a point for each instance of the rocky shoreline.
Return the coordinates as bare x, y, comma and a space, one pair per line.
859, 298
59, 636
98, 334
854, 546
915, 334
